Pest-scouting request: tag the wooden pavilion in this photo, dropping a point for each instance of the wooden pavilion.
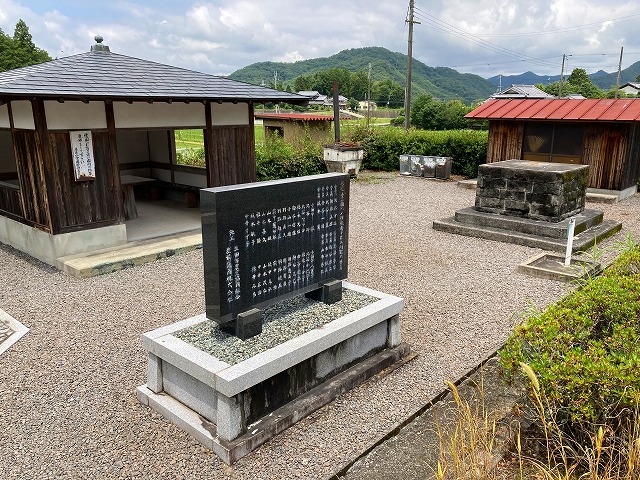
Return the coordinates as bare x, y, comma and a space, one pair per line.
76, 132
601, 133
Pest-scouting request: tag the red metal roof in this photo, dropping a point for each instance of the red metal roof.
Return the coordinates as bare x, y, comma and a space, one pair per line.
294, 116
606, 109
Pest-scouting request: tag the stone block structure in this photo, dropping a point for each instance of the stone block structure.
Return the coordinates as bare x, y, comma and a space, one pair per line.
536, 190
531, 203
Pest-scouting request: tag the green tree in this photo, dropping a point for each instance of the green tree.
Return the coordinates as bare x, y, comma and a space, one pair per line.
428, 113
19, 50
353, 104
577, 83
387, 92
304, 83
358, 85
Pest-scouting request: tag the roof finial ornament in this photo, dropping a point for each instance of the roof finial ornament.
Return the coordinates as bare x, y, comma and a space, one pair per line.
99, 47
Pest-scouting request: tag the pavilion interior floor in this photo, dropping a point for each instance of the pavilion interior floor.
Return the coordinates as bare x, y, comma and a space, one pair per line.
160, 218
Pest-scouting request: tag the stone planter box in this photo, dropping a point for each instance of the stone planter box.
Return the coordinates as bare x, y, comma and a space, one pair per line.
343, 158
233, 409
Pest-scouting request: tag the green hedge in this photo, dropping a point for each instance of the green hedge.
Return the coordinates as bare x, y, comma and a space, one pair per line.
278, 159
383, 147
585, 349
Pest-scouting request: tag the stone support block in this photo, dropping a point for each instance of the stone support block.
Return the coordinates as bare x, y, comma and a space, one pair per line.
536, 190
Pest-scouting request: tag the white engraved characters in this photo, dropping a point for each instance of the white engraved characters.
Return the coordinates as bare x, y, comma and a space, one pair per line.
232, 263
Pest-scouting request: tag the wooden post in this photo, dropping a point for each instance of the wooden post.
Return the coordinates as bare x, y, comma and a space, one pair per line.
113, 146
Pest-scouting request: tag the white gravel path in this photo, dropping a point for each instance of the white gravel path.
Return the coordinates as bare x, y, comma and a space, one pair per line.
68, 407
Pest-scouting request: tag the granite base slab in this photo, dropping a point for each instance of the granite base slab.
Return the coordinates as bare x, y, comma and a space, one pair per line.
551, 267
224, 406
531, 233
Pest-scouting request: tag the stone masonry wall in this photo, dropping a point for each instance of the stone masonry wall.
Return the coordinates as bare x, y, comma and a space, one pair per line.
535, 190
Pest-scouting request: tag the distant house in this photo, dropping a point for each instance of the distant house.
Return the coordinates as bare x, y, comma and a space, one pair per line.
315, 98
295, 127
601, 133
631, 88
365, 105
522, 91
342, 101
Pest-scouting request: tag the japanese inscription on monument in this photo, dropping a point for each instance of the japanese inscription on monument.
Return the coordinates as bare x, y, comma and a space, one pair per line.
266, 241
82, 153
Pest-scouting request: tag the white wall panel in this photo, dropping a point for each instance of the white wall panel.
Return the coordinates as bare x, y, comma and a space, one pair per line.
75, 115
22, 114
229, 114
152, 115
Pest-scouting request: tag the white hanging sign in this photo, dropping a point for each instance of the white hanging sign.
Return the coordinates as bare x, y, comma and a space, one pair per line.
82, 152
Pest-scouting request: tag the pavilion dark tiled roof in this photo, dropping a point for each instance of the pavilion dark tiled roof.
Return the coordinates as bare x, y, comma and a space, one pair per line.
103, 74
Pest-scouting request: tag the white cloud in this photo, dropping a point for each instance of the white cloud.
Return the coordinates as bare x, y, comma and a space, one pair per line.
221, 36
290, 57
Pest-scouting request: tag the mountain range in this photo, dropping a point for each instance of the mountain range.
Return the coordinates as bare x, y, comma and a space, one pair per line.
441, 82
600, 78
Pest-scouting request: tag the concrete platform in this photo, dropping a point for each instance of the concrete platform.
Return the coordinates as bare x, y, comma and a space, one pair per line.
99, 262
551, 267
163, 228
530, 233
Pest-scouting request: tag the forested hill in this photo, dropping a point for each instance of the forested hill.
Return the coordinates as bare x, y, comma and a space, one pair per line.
441, 82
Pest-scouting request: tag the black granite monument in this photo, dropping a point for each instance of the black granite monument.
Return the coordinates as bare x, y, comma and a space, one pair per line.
267, 241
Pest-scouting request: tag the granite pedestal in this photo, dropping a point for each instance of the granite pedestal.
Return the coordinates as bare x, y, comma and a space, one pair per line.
530, 203
233, 409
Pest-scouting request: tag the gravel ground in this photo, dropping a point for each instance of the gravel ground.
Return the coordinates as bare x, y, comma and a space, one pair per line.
67, 389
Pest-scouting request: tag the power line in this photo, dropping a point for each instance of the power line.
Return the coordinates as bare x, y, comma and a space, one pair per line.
612, 21
457, 32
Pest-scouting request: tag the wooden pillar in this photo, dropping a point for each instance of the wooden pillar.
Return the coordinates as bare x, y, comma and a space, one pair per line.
208, 148
115, 186
44, 169
252, 145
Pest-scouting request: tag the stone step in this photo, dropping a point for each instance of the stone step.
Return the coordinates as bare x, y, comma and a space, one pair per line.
601, 198
98, 262
581, 242
585, 220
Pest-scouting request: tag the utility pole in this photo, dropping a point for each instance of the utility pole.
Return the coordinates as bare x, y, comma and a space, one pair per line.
564, 57
369, 98
407, 99
619, 67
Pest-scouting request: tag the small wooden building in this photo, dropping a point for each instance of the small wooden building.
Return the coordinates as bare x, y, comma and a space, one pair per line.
601, 133
295, 127
73, 128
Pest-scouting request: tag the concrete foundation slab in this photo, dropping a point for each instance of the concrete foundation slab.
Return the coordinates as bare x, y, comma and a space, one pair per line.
263, 430
521, 236
551, 267
107, 260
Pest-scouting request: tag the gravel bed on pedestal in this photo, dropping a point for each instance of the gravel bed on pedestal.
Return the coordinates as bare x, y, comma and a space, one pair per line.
280, 322
68, 407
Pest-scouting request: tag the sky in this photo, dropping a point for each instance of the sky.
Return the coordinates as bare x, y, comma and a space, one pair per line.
484, 37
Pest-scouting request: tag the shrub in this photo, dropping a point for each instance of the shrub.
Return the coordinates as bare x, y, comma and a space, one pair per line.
191, 156
383, 147
278, 159
585, 350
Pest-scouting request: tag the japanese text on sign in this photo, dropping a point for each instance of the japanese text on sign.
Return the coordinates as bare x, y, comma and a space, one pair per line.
82, 153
